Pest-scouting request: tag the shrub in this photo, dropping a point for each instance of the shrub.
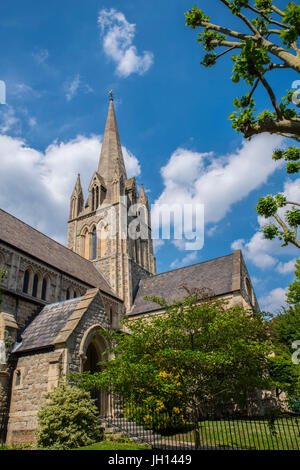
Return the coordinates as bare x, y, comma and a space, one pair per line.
68, 419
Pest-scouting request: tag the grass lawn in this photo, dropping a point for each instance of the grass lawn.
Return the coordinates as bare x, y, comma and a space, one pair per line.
115, 445
248, 434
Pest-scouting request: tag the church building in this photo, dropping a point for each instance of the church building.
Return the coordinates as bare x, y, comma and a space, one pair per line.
56, 299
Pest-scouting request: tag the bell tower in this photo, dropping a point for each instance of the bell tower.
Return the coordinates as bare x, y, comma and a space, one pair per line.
113, 228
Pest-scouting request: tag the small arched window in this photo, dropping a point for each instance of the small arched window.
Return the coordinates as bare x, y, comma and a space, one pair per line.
85, 243
35, 285
44, 289
249, 290
94, 237
18, 378
97, 197
75, 295
93, 199
26, 281
68, 294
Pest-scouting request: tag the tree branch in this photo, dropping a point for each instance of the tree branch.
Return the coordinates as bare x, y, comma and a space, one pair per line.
286, 229
225, 52
279, 12
289, 136
283, 126
222, 29
231, 44
289, 59
293, 203
271, 95
244, 19
269, 20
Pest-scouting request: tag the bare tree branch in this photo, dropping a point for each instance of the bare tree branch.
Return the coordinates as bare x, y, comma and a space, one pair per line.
292, 203
291, 128
271, 95
244, 19
231, 44
279, 12
222, 29
270, 20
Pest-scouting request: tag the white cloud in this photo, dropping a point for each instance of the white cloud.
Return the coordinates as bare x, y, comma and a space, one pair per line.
258, 250
24, 90
132, 164
41, 55
274, 300
71, 87
197, 178
286, 268
36, 186
117, 36
157, 244
8, 119
188, 259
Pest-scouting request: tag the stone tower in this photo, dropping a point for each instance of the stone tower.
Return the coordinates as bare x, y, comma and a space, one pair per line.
113, 228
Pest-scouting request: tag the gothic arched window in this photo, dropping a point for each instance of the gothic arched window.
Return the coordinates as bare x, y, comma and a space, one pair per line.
97, 197
44, 289
35, 285
93, 199
26, 281
68, 294
94, 237
75, 295
85, 244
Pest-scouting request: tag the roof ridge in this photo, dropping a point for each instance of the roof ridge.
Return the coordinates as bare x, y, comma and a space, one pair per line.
52, 239
185, 267
60, 245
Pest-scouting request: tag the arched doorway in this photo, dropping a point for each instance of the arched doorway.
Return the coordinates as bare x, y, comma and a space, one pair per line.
91, 365
91, 352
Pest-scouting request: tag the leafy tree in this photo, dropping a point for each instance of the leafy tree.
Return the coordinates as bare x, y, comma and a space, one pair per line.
286, 326
286, 227
293, 295
268, 43
199, 355
258, 56
285, 330
68, 419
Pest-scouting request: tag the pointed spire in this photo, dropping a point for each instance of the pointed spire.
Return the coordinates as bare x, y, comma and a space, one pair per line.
143, 198
78, 187
111, 157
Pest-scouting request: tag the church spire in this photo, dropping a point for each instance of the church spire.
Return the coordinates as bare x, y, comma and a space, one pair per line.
143, 198
111, 157
78, 187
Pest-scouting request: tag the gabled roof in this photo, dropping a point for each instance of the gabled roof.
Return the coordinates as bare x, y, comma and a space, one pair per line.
215, 274
34, 243
46, 326
53, 326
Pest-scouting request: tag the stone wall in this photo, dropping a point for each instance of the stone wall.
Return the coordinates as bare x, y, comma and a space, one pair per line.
38, 372
30, 384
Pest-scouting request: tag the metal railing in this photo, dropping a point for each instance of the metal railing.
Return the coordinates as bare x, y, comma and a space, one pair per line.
177, 430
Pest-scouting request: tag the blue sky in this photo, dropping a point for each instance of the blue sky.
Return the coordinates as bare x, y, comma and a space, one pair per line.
59, 59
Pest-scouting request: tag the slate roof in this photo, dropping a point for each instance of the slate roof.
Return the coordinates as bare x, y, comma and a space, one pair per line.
43, 330
20, 235
215, 274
